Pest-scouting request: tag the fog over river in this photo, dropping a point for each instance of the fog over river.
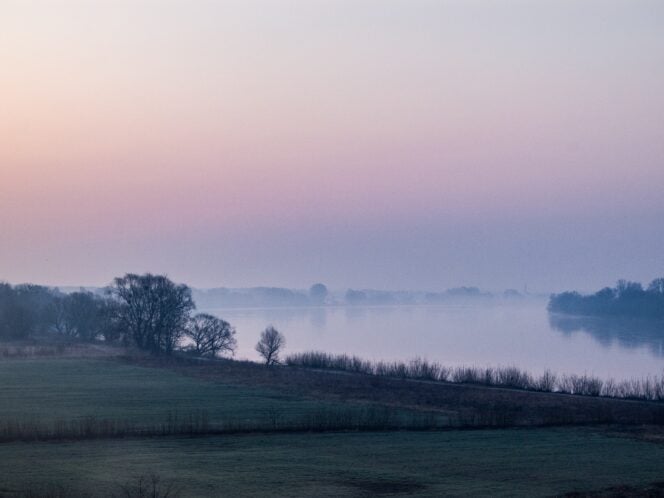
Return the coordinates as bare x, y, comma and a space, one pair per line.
523, 334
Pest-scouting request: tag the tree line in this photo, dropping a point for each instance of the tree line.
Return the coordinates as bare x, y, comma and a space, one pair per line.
627, 298
147, 311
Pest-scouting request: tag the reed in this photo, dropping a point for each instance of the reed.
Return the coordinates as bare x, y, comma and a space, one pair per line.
512, 377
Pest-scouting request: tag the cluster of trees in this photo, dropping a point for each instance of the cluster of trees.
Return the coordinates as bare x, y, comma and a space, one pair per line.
370, 297
148, 311
625, 299
319, 295
256, 297
456, 294
32, 310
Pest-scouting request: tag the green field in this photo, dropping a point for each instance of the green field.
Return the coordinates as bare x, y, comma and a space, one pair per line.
48, 390
527, 462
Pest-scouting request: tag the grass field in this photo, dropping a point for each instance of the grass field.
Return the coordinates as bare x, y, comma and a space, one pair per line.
54, 389
525, 462
462, 404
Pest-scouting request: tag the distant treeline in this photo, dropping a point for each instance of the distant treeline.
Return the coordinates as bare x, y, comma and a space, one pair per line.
648, 388
319, 295
253, 297
378, 298
627, 299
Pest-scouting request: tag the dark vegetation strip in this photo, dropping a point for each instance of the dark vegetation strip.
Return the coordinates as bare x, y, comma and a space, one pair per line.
358, 419
196, 424
645, 389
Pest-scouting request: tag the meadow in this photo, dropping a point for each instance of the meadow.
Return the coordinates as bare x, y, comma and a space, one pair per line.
288, 431
57, 398
504, 462
63, 389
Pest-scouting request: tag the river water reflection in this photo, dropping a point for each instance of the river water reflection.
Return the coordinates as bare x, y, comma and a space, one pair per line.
521, 334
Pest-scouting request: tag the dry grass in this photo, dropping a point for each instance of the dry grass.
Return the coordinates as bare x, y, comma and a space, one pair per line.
59, 349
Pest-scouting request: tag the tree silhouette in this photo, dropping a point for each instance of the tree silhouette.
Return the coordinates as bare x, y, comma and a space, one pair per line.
210, 335
270, 345
152, 310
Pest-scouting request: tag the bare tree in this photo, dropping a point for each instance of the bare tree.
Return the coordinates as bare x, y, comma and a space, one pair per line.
152, 310
210, 335
270, 345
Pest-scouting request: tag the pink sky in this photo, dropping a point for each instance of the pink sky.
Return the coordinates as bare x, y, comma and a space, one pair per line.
362, 143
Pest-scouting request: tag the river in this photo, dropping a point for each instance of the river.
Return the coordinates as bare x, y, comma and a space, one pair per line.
523, 334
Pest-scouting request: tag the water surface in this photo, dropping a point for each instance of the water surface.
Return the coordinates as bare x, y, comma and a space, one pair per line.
521, 334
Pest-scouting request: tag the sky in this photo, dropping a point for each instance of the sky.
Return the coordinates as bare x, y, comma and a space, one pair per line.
389, 144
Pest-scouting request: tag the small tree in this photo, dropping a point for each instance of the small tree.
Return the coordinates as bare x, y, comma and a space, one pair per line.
210, 335
270, 345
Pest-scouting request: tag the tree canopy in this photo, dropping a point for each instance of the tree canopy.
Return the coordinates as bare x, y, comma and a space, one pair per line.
152, 310
625, 299
210, 335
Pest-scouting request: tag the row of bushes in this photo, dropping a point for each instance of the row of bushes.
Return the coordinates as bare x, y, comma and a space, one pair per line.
648, 388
